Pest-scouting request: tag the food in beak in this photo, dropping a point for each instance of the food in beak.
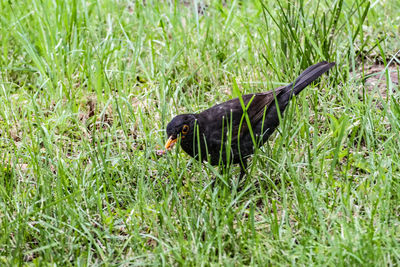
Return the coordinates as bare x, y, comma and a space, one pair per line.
170, 143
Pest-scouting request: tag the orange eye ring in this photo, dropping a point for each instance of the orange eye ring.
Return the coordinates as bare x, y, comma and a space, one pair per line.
185, 129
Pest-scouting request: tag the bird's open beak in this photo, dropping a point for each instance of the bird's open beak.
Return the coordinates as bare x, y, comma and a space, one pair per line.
170, 143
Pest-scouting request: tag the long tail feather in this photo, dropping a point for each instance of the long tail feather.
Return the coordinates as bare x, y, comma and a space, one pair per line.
308, 76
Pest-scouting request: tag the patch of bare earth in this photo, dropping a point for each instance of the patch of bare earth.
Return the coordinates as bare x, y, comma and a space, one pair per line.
377, 76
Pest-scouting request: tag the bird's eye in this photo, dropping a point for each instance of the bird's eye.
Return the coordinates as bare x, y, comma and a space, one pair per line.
185, 129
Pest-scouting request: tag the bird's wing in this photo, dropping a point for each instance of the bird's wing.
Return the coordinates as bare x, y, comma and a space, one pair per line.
230, 115
256, 110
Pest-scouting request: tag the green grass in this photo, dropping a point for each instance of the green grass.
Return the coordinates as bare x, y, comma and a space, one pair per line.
86, 91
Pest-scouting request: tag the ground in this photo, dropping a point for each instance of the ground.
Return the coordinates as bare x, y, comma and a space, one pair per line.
88, 87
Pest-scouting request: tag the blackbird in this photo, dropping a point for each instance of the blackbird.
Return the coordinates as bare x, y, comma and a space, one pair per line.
228, 133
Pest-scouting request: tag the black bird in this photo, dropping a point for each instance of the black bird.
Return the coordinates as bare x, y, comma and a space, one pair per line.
207, 135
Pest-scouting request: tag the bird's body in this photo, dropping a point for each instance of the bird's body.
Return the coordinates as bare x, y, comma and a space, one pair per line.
221, 133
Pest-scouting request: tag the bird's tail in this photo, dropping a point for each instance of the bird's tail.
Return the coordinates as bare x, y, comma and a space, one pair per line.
308, 76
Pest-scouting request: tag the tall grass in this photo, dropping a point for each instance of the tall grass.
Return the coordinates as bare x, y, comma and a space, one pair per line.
87, 88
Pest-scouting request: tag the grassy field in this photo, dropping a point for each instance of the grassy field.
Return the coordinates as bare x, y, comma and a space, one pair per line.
86, 91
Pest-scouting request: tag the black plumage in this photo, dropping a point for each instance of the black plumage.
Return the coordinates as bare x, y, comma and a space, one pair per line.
206, 135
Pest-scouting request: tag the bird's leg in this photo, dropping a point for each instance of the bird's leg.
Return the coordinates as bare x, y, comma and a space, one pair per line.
243, 167
222, 170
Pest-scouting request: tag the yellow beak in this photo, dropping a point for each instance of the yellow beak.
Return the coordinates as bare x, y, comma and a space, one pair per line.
170, 143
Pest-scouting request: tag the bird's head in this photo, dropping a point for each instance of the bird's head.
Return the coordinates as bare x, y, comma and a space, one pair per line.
182, 126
